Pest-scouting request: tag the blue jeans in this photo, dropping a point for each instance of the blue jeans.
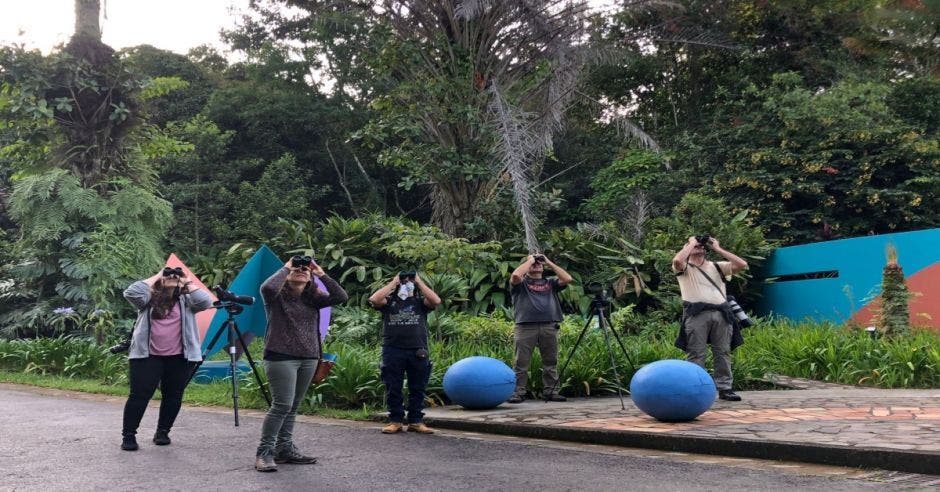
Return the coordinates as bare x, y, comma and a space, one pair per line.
396, 363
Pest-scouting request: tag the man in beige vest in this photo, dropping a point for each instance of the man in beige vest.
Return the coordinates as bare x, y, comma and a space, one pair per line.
706, 315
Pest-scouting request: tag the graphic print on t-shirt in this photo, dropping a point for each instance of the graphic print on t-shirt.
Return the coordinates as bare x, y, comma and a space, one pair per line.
539, 286
406, 316
405, 323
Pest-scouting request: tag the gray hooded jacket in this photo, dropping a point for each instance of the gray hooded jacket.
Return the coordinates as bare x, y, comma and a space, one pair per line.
138, 294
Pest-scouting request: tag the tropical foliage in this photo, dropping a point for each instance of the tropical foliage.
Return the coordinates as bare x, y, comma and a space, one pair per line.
456, 136
819, 352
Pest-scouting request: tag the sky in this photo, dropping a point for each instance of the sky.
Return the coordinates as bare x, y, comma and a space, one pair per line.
174, 25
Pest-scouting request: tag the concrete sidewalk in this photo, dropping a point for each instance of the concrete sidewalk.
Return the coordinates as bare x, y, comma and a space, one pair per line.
828, 424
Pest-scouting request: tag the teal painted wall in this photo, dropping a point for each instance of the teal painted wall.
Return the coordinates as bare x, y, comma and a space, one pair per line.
859, 262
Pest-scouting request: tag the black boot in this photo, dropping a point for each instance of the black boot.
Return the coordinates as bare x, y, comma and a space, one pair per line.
161, 437
129, 443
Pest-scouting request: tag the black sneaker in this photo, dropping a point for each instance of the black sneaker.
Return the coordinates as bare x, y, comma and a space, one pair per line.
516, 399
555, 397
129, 443
293, 456
161, 437
728, 395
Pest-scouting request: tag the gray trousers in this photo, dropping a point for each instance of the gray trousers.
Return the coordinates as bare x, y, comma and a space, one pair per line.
544, 336
289, 380
710, 327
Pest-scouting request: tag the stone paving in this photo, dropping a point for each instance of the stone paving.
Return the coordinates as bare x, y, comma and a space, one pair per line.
831, 417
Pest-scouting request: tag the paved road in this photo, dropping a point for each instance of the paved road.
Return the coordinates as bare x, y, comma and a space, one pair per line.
59, 441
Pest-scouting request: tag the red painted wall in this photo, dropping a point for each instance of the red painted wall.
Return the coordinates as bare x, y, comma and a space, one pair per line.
924, 305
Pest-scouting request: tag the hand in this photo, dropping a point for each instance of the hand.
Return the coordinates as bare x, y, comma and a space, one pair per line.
317, 270
152, 280
692, 241
713, 244
186, 285
289, 264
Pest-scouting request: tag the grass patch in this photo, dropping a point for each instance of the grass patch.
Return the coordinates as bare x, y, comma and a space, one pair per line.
217, 394
63, 383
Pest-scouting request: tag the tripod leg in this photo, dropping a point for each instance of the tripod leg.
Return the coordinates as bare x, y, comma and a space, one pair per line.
234, 370
570, 354
623, 348
215, 338
610, 352
251, 362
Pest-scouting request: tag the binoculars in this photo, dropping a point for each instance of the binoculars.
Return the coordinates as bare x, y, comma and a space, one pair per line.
539, 258
703, 239
301, 261
404, 275
172, 272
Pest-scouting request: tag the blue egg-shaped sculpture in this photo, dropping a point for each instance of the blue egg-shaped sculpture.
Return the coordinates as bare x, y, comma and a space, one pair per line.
479, 382
672, 390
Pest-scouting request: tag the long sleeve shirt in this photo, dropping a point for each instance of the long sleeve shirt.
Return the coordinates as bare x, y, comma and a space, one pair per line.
294, 321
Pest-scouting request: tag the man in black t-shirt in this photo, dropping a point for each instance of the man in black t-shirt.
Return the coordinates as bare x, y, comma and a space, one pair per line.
405, 302
537, 316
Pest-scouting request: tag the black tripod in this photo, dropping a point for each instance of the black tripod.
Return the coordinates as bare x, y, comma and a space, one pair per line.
597, 309
231, 327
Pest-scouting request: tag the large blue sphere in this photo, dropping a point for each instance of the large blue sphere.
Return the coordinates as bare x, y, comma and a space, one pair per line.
479, 382
672, 390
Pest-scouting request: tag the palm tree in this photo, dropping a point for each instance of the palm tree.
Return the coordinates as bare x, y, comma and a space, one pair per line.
93, 107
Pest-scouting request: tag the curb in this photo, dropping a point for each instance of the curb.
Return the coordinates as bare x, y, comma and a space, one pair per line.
877, 458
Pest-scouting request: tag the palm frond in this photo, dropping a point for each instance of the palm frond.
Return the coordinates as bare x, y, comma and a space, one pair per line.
517, 146
691, 36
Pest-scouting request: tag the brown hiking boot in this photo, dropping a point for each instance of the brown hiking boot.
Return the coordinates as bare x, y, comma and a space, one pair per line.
392, 428
420, 428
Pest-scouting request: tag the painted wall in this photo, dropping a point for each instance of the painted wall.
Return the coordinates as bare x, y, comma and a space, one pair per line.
857, 284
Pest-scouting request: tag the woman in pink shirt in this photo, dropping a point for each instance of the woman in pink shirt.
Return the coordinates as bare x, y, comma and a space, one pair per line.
164, 349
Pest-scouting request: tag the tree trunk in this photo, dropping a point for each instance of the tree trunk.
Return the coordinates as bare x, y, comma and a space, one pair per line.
454, 204
87, 13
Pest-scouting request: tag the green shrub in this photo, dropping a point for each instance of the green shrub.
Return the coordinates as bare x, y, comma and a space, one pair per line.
824, 352
72, 357
355, 325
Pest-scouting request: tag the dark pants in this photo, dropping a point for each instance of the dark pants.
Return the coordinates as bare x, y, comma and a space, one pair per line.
396, 363
172, 374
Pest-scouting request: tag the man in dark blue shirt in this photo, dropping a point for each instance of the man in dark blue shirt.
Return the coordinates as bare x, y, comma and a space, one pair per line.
404, 303
537, 315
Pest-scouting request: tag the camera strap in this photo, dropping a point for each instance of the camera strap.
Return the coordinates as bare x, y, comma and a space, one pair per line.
709, 278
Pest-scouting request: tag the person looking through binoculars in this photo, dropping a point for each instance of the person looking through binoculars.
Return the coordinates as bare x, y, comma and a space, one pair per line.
707, 316
537, 313
405, 302
292, 347
164, 347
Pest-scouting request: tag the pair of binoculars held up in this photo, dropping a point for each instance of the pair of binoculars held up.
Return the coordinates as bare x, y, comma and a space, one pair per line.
301, 261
